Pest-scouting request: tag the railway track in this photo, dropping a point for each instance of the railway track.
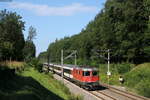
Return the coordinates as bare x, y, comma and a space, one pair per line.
112, 98
128, 95
122, 95
97, 95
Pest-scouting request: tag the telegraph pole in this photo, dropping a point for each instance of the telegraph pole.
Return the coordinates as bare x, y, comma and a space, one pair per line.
62, 62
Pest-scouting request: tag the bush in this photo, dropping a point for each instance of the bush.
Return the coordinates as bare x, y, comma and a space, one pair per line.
143, 88
94, 63
36, 64
123, 68
138, 79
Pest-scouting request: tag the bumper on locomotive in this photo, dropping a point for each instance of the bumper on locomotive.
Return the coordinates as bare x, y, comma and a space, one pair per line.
91, 85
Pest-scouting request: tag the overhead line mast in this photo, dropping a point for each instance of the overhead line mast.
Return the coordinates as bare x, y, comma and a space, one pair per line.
108, 61
62, 62
69, 56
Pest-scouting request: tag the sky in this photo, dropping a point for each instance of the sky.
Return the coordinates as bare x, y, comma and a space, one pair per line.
53, 19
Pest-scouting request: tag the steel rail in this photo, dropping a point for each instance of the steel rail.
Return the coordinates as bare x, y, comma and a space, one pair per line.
123, 95
126, 93
106, 95
96, 95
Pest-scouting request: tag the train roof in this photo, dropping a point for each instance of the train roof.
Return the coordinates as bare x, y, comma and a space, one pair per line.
71, 67
86, 68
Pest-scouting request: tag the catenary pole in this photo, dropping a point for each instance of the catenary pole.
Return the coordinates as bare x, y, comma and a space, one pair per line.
62, 62
108, 61
108, 71
75, 59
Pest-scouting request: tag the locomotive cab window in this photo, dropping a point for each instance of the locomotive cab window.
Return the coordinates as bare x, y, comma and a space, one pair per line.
86, 73
94, 73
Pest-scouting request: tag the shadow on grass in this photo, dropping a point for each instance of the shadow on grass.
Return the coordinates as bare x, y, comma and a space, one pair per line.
14, 87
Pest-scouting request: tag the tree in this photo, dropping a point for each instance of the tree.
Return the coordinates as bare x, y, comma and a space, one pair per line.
11, 35
32, 33
43, 57
122, 26
30, 48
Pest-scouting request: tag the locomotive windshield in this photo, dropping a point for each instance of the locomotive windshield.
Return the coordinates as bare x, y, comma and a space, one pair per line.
86, 73
94, 73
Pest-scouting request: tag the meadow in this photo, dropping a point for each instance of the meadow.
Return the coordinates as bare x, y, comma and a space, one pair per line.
30, 84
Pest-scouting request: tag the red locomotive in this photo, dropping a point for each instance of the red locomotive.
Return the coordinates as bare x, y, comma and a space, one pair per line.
85, 77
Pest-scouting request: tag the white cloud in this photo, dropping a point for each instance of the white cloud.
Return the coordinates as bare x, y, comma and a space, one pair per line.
45, 10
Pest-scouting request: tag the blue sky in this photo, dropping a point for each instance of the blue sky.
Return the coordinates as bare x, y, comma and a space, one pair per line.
54, 18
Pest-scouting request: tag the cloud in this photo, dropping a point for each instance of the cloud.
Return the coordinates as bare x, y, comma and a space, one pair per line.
45, 10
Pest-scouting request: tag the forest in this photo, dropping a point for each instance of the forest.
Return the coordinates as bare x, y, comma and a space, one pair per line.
122, 26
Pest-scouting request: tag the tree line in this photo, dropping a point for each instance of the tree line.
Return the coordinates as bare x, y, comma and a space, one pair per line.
123, 26
13, 45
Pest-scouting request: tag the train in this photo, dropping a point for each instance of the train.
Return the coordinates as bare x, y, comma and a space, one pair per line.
84, 76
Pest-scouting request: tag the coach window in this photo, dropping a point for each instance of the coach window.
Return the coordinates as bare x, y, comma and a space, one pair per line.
67, 71
86, 73
94, 73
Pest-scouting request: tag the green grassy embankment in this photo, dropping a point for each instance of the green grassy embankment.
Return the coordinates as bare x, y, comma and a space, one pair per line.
31, 85
137, 78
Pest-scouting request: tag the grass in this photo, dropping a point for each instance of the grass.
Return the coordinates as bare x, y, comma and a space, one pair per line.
138, 79
12, 64
18, 87
48, 82
31, 85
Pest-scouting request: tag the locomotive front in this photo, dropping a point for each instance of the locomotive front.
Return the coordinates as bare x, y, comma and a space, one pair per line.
90, 78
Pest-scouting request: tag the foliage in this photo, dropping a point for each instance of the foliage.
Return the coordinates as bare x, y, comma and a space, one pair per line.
143, 87
123, 68
12, 43
11, 36
35, 64
29, 51
122, 26
43, 57
32, 33
29, 48
113, 79
138, 79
